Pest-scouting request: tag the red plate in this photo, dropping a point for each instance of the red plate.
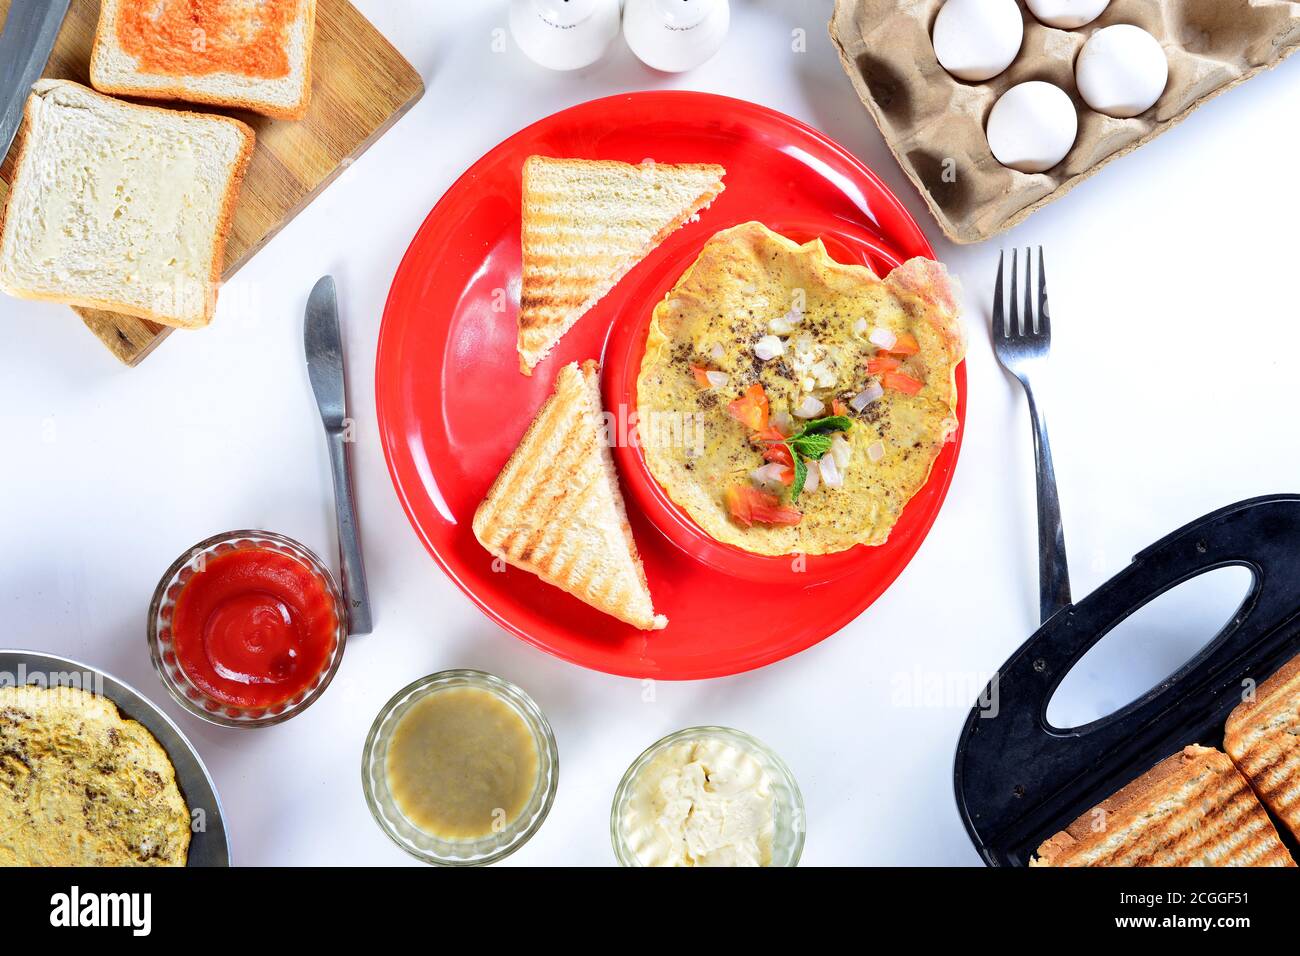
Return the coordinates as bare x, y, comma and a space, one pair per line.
452, 404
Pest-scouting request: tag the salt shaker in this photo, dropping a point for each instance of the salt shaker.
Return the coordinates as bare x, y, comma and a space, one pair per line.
675, 35
564, 34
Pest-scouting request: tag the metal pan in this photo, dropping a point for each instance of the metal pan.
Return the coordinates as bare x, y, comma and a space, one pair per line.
1019, 780
209, 846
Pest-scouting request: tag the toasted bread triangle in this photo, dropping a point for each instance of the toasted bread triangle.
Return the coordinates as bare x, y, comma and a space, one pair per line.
1191, 809
556, 509
586, 224
1263, 739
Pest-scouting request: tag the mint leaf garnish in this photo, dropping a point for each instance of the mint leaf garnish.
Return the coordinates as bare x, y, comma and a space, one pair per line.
811, 446
833, 423
800, 475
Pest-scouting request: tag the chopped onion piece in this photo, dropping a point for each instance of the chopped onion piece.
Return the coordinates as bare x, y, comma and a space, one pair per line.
768, 476
865, 397
809, 408
831, 472
804, 344
769, 347
860, 327
784, 423
841, 451
786, 323
876, 451
717, 379
824, 374
814, 476
716, 353
883, 338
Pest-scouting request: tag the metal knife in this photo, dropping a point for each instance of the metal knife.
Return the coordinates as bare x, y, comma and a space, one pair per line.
324, 346
25, 45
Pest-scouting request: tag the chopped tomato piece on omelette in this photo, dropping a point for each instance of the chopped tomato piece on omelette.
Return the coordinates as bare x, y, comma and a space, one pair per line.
905, 344
750, 506
900, 382
751, 409
779, 453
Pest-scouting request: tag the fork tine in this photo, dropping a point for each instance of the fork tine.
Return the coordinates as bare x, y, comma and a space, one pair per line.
1013, 330
999, 318
1044, 314
1031, 321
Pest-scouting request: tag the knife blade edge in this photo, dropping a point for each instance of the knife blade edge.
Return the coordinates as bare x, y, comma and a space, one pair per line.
30, 32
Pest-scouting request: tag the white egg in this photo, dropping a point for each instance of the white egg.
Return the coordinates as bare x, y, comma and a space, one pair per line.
977, 39
1121, 71
1067, 14
1032, 126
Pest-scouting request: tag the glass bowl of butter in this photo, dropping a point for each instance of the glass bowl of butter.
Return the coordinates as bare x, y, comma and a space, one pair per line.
460, 768
708, 796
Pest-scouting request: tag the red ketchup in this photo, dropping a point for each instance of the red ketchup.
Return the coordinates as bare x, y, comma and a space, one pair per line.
254, 628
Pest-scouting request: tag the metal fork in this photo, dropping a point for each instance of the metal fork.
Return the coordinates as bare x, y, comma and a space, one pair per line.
1022, 345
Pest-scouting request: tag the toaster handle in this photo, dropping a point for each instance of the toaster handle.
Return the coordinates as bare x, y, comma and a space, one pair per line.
1262, 534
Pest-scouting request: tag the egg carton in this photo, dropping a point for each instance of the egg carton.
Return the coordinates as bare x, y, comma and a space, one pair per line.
934, 124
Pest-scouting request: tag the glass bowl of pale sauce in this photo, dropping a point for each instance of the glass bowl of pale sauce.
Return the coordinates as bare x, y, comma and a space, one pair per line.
460, 768
708, 796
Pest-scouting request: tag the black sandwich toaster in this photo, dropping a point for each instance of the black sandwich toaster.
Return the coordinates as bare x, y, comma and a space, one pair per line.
1020, 780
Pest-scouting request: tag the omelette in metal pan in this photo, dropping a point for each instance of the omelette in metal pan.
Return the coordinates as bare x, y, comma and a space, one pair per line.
81, 785
789, 403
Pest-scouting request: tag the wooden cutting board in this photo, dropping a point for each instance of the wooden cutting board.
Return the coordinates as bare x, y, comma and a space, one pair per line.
361, 86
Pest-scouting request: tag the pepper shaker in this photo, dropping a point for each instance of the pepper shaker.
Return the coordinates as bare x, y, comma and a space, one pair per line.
675, 35
564, 34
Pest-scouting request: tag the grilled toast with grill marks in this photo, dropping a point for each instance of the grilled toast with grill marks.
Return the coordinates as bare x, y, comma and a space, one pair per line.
1191, 809
1263, 740
586, 223
556, 509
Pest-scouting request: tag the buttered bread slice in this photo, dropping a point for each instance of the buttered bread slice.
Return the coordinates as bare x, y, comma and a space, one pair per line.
121, 207
586, 223
556, 509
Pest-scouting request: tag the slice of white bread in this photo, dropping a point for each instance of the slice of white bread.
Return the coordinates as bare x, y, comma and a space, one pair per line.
121, 207
556, 509
254, 56
1191, 809
1263, 739
586, 223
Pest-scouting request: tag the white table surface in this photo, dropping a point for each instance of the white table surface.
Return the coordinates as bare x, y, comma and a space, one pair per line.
1176, 353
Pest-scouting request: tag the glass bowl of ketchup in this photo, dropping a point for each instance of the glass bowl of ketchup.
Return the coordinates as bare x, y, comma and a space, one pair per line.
247, 628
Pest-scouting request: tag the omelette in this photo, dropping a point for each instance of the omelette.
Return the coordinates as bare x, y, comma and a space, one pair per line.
789, 403
80, 785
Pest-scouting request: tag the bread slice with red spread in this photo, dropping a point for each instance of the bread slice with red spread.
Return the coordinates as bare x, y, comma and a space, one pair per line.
253, 56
